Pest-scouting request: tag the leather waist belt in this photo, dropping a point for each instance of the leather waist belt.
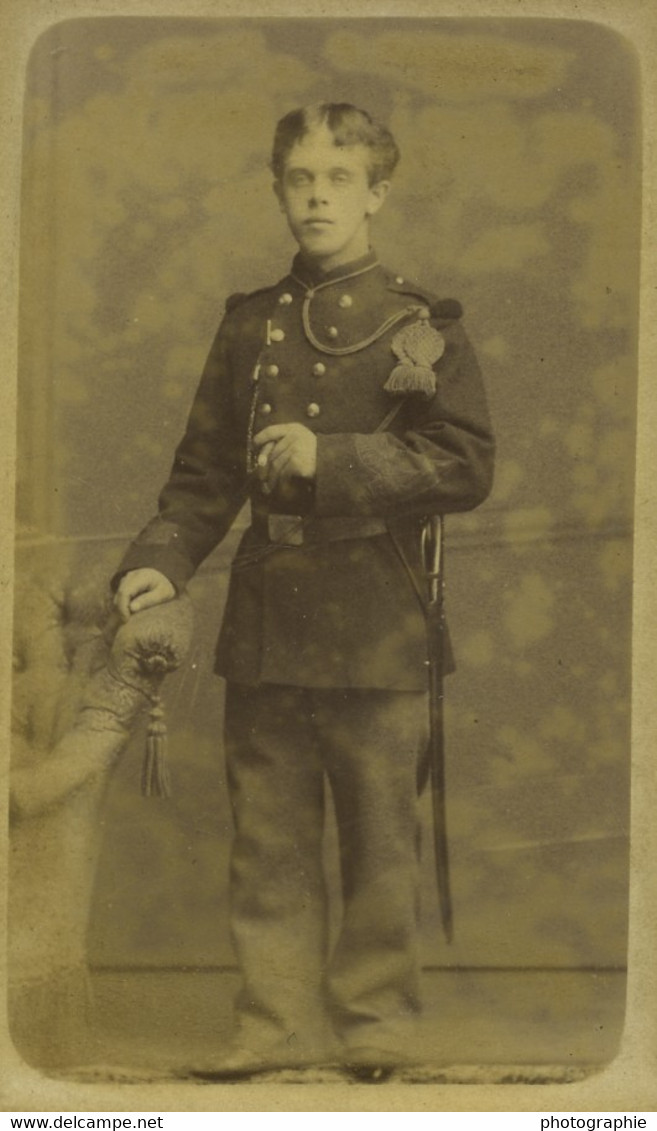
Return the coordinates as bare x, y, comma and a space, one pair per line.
300, 530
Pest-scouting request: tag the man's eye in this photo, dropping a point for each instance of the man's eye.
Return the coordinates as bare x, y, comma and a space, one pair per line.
298, 179
340, 178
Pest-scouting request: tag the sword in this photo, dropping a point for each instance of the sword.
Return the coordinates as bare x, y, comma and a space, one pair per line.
432, 555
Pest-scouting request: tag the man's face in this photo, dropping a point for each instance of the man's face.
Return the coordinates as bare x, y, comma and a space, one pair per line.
325, 194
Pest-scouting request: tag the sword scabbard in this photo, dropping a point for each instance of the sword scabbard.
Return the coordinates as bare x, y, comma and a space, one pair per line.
432, 547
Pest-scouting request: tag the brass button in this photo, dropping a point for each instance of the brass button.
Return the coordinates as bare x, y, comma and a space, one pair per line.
285, 299
272, 371
313, 410
319, 369
277, 335
332, 331
399, 280
265, 408
345, 301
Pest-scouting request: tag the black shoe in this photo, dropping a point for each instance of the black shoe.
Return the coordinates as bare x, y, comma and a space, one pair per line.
242, 1064
235, 1065
370, 1065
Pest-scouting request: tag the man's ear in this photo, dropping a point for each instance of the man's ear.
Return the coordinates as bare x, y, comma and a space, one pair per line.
378, 193
278, 193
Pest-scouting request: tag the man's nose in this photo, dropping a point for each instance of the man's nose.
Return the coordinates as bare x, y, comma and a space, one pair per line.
319, 193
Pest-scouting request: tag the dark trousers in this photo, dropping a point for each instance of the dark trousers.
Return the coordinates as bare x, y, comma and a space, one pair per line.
282, 745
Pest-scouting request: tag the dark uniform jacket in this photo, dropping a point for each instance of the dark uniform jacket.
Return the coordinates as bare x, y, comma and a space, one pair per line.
327, 588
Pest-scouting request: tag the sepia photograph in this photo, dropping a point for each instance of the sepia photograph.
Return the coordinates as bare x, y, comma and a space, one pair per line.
328, 343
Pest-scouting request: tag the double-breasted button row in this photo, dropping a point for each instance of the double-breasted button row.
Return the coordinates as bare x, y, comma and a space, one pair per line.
318, 370
312, 409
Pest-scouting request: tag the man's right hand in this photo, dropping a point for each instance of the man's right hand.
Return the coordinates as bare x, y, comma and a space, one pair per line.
142, 589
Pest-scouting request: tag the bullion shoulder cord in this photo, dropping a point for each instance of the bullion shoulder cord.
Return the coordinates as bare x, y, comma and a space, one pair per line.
343, 351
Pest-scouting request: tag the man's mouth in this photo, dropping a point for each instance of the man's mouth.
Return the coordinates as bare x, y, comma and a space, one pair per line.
316, 221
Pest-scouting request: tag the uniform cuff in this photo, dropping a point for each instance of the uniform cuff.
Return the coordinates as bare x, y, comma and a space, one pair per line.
339, 484
175, 566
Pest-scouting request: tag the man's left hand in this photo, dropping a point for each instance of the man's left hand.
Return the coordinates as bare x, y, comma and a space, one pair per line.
285, 451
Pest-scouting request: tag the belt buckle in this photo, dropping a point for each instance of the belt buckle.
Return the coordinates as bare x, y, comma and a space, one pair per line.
285, 529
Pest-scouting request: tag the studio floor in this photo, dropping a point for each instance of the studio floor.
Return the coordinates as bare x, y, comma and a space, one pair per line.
479, 1024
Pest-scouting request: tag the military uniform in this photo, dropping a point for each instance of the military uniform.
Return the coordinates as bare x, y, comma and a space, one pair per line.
323, 642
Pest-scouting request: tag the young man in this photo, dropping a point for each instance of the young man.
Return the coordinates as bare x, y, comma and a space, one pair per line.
347, 404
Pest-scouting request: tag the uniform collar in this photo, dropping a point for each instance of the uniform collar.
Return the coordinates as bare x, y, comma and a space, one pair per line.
310, 274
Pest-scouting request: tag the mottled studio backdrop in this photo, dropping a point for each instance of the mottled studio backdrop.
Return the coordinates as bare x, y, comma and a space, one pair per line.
147, 200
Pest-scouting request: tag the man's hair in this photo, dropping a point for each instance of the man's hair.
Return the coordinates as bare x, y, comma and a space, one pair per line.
349, 126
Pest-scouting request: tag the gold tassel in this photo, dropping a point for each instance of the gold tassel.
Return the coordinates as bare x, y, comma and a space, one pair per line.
407, 378
155, 778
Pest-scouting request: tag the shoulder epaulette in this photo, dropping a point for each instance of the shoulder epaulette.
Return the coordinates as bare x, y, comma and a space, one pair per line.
402, 286
445, 310
240, 297
235, 300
